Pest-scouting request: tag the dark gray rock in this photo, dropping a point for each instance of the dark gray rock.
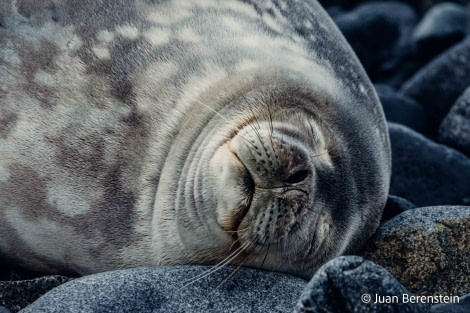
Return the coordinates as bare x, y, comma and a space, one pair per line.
160, 289
377, 32
12, 272
338, 3
396, 205
462, 307
426, 249
401, 109
344, 284
15, 295
437, 85
4, 310
421, 6
443, 25
427, 173
455, 128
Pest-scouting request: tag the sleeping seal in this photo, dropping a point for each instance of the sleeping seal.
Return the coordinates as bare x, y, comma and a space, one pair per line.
137, 133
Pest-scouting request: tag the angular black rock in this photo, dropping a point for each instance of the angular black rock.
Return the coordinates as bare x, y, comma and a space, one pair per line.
160, 289
437, 85
350, 284
401, 109
427, 173
443, 25
455, 128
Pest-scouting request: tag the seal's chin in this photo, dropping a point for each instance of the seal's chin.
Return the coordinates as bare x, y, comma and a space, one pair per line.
233, 188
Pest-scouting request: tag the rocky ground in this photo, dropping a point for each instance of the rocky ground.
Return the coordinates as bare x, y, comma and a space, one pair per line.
417, 54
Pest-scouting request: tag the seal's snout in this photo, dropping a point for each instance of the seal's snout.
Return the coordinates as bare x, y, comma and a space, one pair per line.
274, 155
266, 165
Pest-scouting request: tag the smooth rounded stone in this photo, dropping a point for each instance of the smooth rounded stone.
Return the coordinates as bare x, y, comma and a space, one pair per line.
344, 284
426, 249
377, 31
4, 310
455, 128
16, 295
443, 25
401, 109
437, 85
421, 6
427, 173
396, 205
462, 307
161, 289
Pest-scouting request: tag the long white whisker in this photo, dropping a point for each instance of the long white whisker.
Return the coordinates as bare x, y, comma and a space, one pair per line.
223, 117
226, 278
217, 267
212, 109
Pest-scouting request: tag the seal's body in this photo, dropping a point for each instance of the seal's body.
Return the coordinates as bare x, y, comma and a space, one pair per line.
138, 133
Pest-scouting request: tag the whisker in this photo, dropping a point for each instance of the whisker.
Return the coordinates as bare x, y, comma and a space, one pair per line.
258, 134
251, 109
265, 256
223, 117
212, 109
215, 268
226, 278
236, 231
320, 154
271, 124
231, 246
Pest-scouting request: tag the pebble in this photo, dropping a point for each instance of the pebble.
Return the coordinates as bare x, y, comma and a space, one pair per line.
426, 249
350, 284
443, 25
401, 109
455, 128
396, 205
437, 85
161, 289
15, 295
377, 32
462, 307
425, 172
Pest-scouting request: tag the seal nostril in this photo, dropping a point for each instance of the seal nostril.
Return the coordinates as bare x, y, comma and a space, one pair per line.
297, 177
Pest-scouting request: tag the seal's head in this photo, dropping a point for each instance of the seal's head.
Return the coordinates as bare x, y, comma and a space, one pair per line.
290, 188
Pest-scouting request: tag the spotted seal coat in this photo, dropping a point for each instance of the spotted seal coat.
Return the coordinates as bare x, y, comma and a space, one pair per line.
144, 132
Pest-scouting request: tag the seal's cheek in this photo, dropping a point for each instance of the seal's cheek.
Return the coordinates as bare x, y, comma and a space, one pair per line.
229, 188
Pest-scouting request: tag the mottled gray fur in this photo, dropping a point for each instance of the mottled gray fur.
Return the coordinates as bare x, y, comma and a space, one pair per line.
102, 103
